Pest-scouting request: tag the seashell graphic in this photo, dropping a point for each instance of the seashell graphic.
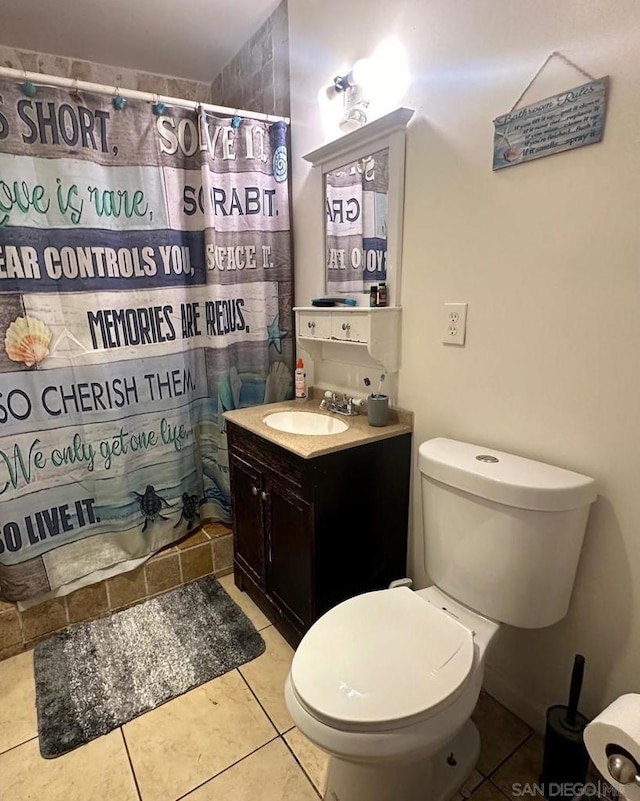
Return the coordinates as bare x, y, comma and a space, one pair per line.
27, 340
512, 154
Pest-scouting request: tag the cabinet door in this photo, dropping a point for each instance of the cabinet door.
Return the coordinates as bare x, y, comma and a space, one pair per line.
248, 532
289, 538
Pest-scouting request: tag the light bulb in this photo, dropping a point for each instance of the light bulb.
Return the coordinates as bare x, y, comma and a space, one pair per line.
362, 73
390, 71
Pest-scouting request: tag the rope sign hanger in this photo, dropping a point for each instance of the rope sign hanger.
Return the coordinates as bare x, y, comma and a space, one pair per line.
555, 54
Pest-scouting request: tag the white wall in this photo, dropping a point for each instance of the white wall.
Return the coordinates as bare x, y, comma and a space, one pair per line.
547, 254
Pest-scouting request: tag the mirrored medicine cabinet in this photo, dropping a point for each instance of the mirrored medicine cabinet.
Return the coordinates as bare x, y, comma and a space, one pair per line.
363, 199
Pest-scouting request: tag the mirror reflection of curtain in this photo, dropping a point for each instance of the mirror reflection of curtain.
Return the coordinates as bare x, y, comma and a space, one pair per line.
356, 224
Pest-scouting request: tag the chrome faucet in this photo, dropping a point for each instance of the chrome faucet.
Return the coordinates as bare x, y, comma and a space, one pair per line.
344, 405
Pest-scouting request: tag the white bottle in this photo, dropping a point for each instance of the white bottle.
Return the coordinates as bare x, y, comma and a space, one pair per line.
301, 381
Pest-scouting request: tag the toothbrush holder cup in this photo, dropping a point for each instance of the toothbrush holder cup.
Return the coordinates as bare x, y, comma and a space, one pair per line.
378, 410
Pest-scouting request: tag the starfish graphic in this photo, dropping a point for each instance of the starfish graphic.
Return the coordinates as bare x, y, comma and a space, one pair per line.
275, 333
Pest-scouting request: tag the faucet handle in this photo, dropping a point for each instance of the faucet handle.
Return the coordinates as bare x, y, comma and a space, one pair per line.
329, 397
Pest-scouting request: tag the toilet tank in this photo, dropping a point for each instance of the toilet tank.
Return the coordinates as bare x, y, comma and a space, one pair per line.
502, 534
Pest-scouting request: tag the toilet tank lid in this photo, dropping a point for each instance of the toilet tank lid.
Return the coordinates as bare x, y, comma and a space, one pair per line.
504, 478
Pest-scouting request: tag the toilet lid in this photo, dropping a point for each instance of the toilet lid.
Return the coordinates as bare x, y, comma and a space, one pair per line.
379, 659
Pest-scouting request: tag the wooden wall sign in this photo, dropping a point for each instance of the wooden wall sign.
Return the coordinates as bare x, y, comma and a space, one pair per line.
565, 121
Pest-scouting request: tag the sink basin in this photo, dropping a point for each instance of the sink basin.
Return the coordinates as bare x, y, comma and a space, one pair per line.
308, 423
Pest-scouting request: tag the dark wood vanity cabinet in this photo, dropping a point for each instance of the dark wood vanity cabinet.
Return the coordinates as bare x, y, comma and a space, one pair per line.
309, 533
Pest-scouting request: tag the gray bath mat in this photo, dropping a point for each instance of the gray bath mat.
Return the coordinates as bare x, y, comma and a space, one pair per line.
94, 677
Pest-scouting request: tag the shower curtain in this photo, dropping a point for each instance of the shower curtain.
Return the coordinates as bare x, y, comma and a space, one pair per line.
145, 288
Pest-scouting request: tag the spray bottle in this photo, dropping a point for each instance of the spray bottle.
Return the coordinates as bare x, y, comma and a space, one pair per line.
301, 381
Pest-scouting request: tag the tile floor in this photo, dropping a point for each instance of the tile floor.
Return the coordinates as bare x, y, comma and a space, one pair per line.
228, 740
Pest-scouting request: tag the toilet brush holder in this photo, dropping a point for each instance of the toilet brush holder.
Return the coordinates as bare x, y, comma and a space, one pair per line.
566, 760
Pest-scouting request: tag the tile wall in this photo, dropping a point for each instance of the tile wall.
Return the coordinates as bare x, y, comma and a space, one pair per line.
209, 550
103, 73
257, 78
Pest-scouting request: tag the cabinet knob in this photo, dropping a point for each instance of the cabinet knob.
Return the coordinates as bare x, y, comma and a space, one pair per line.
346, 326
264, 495
254, 490
311, 324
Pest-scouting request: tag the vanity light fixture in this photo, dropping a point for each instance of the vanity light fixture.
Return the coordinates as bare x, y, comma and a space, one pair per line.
360, 75
340, 84
352, 86
370, 87
354, 116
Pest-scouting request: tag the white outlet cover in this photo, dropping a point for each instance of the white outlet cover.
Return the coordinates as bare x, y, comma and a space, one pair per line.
454, 323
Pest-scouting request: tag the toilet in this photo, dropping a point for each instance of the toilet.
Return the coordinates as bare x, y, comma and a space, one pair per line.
385, 683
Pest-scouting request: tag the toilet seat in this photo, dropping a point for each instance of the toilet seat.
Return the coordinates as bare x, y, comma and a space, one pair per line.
380, 661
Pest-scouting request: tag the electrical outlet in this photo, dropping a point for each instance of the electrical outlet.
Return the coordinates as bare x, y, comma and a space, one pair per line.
455, 323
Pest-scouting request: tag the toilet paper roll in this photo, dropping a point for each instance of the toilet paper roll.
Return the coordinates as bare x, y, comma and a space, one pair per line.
617, 725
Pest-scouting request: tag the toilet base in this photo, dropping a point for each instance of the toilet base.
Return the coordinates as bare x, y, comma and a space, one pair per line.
433, 778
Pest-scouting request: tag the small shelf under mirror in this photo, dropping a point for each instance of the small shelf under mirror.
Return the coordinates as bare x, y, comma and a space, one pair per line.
375, 331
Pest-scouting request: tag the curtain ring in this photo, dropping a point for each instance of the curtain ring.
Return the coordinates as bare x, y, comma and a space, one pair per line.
27, 87
157, 107
119, 102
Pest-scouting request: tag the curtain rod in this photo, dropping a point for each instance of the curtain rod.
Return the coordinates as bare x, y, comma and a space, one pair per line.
131, 94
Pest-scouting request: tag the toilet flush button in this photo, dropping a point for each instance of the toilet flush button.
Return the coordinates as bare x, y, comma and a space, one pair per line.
484, 457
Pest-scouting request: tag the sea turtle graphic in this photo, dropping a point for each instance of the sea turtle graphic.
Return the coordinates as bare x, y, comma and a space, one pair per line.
150, 505
190, 509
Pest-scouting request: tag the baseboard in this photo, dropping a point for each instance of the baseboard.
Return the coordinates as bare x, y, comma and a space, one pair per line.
514, 699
